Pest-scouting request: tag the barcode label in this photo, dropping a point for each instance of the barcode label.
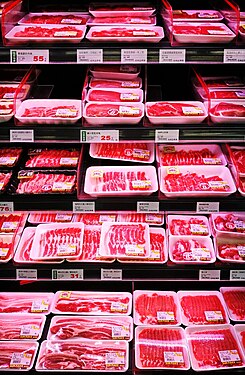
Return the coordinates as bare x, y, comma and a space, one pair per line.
29, 331
229, 356
173, 358
165, 316
120, 332
40, 305
20, 360
115, 359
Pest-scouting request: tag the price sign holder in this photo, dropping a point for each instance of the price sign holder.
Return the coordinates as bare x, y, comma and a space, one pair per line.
99, 136
82, 207
167, 136
73, 274
17, 135
6, 207
90, 56
32, 56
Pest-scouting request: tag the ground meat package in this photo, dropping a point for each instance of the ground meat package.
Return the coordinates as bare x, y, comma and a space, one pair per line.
91, 328
17, 355
161, 348
156, 308
214, 347
21, 326
92, 303
202, 307
235, 302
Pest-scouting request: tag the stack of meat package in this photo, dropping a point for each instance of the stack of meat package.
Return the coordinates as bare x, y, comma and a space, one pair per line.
123, 22
210, 341
226, 96
113, 95
194, 170
47, 171
22, 319
91, 335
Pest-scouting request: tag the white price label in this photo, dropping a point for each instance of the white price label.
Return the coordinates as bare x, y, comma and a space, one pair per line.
173, 358
99, 136
171, 136
20, 360
119, 307
73, 274
237, 274
165, 316
134, 250
120, 332
29, 331
21, 135
169, 56
207, 207
143, 207
229, 356
39, 305
26, 56
214, 316
90, 56
209, 275
26, 274
80, 207
111, 274
6, 207
234, 56
114, 359
136, 56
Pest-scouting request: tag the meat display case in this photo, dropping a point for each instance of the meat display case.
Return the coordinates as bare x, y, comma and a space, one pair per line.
159, 85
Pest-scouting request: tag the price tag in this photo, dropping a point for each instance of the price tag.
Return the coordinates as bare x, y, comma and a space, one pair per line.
169, 56
99, 136
6, 207
90, 56
76, 274
20, 360
114, 359
173, 358
237, 274
27, 56
136, 56
120, 332
209, 275
26, 274
21, 135
79, 207
232, 56
170, 136
29, 331
111, 274
143, 207
207, 207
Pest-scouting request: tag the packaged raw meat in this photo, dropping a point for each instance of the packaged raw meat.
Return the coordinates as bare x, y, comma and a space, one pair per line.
49, 111
105, 83
237, 154
52, 158
120, 181
9, 156
191, 112
231, 250
115, 71
113, 114
45, 182
161, 348
202, 307
158, 249
135, 152
121, 21
121, 9
227, 112
15, 302
12, 223
6, 110
128, 34
196, 181
241, 187
115, 95
90, 247
7, 91
8, 245
92, 303
197, 15
88, 356
156, 307
55, 18
228, 224
21, 326
4, 180
17, 355
133, 217
57, 240
124, 240
226, 94
189, 154
95, 219
240, 335
202, 32
91, 328
46, 34
191, 249
213, 348
235, 302
22, 254
50, 217
188, 225
220, 82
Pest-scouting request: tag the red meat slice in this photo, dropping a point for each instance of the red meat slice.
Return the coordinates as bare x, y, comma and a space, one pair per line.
56, 19
52, 158
173, 109
11, 329
228, 110
190, 157
7, 349
148, 305
61, 111
13, 303
42, 32
112, 110
121, 181
193, 182
91, 243
235, 301
112, 96
41, 183
124, 32
126, 151
200, 30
